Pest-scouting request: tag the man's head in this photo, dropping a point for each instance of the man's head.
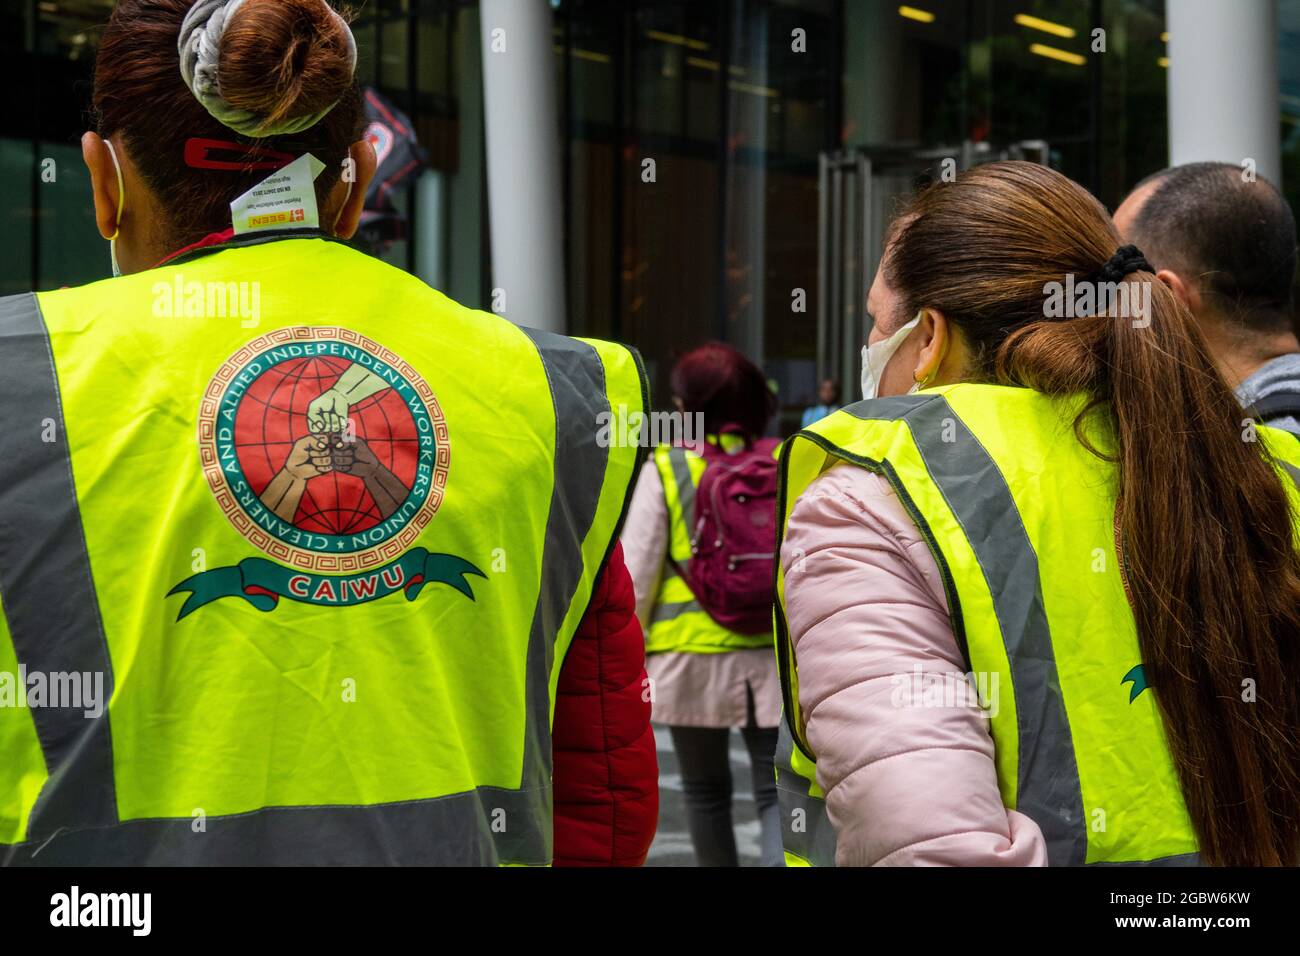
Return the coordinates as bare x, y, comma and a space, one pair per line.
1227, 247
828, 393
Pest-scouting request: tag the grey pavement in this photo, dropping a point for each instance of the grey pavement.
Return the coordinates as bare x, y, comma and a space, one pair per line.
672, 843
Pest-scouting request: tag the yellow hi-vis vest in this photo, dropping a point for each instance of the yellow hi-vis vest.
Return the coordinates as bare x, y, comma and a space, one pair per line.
1020, 518
678, 621
337, 654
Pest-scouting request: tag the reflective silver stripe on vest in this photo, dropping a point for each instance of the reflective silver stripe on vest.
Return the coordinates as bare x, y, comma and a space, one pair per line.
1291, 470
685, 487
1048, 789
45, 580
455, 829
577, 380
666, 612
806, 829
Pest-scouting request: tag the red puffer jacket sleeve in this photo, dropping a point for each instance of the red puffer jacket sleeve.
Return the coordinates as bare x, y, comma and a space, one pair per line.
606, 772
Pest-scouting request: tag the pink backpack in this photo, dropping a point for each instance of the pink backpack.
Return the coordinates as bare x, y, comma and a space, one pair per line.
733, 544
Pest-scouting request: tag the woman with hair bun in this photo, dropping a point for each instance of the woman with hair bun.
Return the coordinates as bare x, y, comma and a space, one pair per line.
340, 553
195, 102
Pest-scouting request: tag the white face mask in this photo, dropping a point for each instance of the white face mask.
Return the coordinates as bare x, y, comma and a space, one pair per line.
121, 200
876, 357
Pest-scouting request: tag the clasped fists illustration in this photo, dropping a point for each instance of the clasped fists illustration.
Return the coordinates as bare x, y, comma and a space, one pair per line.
310, 457
328, 412
331, 453
353, 457
316, 455
332, 447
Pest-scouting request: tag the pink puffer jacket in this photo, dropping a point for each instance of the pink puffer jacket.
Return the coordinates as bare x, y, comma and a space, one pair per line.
905, 785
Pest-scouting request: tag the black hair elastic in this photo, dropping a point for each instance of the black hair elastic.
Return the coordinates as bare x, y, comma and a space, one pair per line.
1125, 260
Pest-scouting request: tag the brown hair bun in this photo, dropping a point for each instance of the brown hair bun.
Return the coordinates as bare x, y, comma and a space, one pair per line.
282, 59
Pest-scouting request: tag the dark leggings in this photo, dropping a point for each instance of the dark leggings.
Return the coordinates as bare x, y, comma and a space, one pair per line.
706, 780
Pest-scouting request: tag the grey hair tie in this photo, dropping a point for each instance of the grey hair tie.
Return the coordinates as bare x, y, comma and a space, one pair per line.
199, 46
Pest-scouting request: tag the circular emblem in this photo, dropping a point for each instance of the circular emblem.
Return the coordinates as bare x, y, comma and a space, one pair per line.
324, 449
381, 138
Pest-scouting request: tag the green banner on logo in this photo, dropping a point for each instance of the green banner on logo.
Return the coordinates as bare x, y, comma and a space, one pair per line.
262, 583
1138, 676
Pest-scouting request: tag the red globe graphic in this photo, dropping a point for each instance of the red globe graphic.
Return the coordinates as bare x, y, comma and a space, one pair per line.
272, 416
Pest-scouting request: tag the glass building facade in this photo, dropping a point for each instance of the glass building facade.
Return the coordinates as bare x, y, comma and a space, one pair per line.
781, 131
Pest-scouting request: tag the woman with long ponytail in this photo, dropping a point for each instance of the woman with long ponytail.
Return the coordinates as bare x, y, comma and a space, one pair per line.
1153, 672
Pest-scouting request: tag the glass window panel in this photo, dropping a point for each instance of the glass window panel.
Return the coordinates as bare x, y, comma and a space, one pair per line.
904, 81
1133, 122
392, 57
72, 251
677, 51
16, 161
1037, 68
590, 43
770, 213
1288, 17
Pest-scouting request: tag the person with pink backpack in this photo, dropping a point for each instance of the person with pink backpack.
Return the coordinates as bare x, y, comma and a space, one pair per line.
700, 541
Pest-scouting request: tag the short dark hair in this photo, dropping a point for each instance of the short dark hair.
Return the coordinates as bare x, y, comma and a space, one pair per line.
1235, 239
724, 386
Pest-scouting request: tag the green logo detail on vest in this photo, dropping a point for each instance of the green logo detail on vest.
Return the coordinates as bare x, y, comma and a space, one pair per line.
330, 454
262, 583
1139, 678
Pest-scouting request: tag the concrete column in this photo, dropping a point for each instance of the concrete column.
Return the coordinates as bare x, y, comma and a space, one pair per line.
523, 160
879, 82
430, 222
1223, 83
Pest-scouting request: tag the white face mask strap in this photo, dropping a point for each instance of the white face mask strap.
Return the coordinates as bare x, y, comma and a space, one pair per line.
344, 206
875, 358
121, 190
